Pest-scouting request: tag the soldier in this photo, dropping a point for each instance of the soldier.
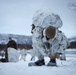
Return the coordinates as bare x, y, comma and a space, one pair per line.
47, 39
11, 44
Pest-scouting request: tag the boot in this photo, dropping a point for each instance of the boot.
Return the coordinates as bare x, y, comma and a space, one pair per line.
40, 62
37, 63
52, 62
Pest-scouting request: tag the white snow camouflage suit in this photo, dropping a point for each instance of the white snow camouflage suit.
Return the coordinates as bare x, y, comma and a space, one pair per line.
57, 45
43, 19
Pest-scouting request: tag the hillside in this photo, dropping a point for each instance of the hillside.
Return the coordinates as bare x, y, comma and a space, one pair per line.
72, 42
22, 40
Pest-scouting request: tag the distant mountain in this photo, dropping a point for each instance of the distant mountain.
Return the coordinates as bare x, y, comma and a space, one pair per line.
23, 39
20, 39
72, 42
72, 39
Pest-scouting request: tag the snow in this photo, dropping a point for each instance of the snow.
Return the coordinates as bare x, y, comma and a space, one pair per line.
21, 67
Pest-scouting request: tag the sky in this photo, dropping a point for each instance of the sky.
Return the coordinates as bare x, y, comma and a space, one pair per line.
16, 15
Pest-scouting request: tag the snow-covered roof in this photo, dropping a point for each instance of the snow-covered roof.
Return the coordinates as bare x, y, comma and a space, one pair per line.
44, 18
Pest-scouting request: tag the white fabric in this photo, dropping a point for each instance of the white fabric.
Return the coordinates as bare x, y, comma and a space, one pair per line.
23, 53
13, 55
37, 41
58, 44
44, 18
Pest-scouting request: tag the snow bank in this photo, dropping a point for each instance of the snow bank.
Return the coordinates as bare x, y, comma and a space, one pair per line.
67, 67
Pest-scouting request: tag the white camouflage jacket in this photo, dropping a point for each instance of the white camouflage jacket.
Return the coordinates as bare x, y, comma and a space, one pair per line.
57, 45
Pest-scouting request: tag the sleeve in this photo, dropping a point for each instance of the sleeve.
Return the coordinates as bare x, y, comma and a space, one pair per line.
63, 43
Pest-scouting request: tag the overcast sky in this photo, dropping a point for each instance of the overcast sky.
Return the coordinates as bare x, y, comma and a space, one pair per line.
16, 15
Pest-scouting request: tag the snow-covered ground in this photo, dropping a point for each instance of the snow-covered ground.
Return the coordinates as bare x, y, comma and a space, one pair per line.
21, 67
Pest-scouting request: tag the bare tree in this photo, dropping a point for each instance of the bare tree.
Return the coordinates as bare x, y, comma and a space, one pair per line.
72, 6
